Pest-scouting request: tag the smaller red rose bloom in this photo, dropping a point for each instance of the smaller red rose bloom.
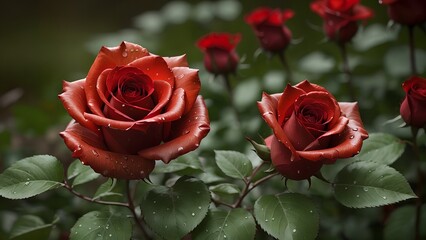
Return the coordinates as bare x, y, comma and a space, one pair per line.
408, 12
310, 128
413, 107
340, 17
220, 56
268, 25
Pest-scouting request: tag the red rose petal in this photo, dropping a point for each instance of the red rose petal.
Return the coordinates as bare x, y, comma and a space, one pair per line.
287, 100
188, 79
74, 100
360, 12
347, 143
186, 135
174, 110
268, 108
290, 167
109, 58
156, 68
89, 148
177, 61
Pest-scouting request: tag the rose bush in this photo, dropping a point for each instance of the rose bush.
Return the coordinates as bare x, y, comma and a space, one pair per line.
220, 56
268, 25
408, 12
340, 17
414, 104
132, 109
310, 128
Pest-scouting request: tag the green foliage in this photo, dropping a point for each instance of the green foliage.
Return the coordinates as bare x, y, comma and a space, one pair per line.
221, 225
233, 164
31, 227
31, 176
98, 225
381, 148
401, 223
106, 188
172, 212
184, 165
289, 216
368, 184
81, 173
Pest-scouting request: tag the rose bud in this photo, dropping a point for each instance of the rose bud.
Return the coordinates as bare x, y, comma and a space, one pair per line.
340, 17
132, 109
219, 52
268, 25
408, 12
414, 104
310, 128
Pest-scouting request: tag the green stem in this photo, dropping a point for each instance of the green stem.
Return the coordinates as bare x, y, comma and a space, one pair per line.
131, 207
420, 181
250, 186
84, 197
412, 50
287, 68
230, 92
347, 72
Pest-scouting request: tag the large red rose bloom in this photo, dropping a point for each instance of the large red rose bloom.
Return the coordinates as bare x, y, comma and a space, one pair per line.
132, 109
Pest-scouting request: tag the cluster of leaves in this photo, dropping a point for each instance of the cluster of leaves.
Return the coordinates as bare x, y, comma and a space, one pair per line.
215, 208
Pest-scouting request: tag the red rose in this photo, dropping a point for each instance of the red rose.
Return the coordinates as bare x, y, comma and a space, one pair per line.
268, 25
340, 17
219, 52
409, 12
413, 108
134, 108
310, 129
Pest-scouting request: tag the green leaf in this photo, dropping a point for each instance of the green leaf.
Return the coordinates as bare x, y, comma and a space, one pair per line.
225, 188
401, 224
381, 148
82, 173
233, 164
172, 212
368, 184
31, 227
106, 188
184, 165
101, 225
220, 225
289, 216
31, 176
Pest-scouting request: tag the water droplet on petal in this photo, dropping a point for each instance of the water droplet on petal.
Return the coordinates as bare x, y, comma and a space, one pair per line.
96, 154
124, 54
355, 129
180, 149
351, 137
